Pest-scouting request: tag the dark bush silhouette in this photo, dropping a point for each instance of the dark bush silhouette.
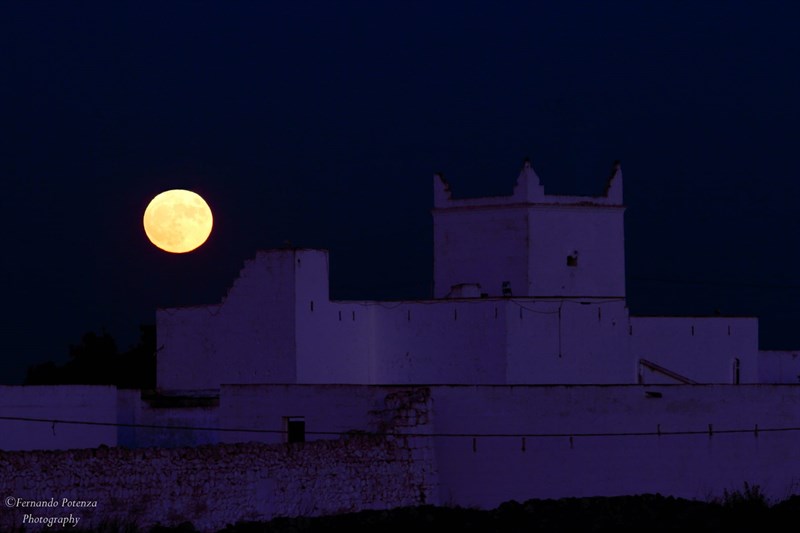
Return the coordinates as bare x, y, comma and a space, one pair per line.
96, 361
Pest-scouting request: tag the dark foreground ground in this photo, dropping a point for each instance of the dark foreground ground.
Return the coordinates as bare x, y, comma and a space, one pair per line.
646, 513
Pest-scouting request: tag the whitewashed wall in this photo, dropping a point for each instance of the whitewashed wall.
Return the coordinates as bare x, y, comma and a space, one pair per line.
700, 348
89, 403
439, 342
248, 338
335, 342
495, 469
480, 445
157, 420
327, 408
484, 245
329, 411
779, 366
568, 341
277, 325
486, 448
593, 234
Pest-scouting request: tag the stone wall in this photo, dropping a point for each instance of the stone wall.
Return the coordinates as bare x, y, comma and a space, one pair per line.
212, 486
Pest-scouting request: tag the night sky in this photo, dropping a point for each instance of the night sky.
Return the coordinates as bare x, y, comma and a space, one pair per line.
322, 124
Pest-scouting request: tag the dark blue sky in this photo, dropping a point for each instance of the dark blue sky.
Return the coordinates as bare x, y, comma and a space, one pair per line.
323, 123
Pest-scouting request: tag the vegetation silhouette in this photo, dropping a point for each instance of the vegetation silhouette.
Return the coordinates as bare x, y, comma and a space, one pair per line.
97, 361
745, 511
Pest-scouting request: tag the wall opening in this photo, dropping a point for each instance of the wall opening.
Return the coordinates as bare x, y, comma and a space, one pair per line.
295, 427
506, 288
736, 370
572, 260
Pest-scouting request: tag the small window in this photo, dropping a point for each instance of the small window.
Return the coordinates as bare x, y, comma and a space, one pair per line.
295, 429
736, 372
572, 260
506, 288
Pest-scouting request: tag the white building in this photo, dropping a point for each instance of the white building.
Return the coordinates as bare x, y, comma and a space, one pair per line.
524, 376
528, 289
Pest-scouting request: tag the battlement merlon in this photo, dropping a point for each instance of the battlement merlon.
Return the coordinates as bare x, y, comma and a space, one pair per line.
529, 190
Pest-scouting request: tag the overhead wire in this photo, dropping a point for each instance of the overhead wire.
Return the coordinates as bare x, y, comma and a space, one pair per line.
657, 433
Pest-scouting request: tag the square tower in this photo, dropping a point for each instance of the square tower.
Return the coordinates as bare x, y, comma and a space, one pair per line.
530, 244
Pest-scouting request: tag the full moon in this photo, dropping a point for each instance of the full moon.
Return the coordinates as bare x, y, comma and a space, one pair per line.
178, 221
